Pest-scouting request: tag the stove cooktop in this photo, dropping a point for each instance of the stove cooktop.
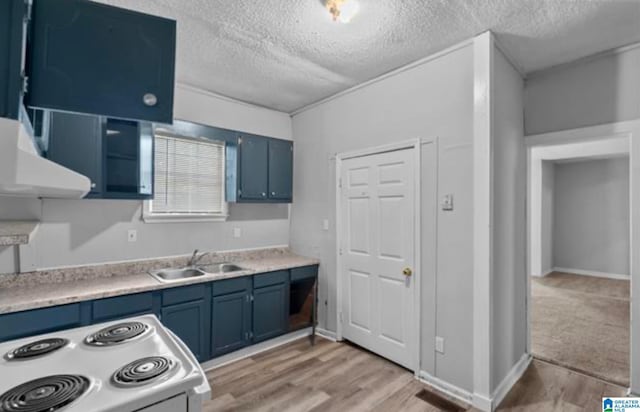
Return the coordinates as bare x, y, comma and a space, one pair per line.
116, 366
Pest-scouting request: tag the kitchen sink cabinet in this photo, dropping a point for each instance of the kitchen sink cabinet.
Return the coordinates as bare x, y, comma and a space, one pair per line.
231, 322
117, 155
88, 57
190, 322
212, 319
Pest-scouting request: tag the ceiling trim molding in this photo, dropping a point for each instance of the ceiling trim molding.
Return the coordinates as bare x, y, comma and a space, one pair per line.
583, 60
420, 62
194, 89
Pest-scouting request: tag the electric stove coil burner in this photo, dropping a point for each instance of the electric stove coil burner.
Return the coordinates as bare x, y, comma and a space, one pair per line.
116, 334
36, 349
47, 394
142, 371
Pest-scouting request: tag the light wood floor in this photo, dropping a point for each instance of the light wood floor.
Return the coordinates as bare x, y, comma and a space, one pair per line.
342, 377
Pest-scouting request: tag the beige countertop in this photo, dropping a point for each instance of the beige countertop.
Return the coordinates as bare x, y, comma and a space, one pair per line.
16, 294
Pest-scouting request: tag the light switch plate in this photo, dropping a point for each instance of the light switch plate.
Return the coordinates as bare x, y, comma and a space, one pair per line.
325, 224
439, 344
237, 232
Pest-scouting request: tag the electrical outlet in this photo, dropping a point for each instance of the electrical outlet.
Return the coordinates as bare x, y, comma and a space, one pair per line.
447, 203
237, 232
439, 344
132, 235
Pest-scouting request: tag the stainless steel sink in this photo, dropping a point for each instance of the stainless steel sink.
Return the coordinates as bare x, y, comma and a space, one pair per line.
172, 274
168, 275
224, 267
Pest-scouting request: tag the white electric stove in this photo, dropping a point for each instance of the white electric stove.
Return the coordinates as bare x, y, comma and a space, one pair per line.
130, 365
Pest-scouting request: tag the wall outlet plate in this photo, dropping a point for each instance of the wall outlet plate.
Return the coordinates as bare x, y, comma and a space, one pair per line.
132, 235
237, 232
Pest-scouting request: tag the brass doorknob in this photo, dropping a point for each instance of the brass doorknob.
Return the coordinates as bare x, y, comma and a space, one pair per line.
407, 272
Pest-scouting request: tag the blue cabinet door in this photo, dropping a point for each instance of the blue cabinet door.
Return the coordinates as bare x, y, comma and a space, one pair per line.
254, 173
38, 321
117, 155
270, 312
12, 14
190, 321
230, 322
280, 170
93, 58
75, 141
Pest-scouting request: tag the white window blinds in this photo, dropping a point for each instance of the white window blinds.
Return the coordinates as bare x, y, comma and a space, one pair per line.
189, 177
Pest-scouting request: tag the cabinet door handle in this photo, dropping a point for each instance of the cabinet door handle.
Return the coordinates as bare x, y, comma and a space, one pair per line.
264, 194
150, 99
273, 193
93, 185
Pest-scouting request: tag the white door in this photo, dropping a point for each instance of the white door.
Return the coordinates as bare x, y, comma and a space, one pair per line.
377, 254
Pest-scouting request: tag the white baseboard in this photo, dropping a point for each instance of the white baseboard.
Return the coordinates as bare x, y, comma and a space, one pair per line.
541, 275
481, 403
327, 334
593, 273
255, 349
445, 387
512, 377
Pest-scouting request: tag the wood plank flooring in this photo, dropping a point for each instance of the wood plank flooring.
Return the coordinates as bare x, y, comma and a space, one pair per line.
342, 377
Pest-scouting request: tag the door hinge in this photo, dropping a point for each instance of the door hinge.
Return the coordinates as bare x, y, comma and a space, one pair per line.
340, 251
25, 84
340, 317
340, 183
250, 335
252, 298
239, 140
28, 7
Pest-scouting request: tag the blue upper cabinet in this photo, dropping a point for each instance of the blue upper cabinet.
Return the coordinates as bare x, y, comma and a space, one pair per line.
259, 170
280, 170
88, 57
253, 164
12, 32
116, 154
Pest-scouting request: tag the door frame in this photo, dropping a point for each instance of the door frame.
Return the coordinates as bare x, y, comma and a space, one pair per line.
413, 144
598, 140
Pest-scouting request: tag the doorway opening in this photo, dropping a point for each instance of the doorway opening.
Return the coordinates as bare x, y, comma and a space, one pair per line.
579, 257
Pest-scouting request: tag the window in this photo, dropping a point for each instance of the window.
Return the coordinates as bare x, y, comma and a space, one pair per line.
188, 180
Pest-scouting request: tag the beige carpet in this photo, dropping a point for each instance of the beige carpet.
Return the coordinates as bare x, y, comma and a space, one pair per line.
582, 323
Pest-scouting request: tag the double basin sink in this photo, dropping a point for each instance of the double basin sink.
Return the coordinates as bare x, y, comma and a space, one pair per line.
174, 274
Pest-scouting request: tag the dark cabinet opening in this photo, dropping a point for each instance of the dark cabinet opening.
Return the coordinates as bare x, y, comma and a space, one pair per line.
301, 303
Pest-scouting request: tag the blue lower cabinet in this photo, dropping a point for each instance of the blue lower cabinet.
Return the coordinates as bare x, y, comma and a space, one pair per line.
230, 322
190, 321
36, 322
270, 312
126, 306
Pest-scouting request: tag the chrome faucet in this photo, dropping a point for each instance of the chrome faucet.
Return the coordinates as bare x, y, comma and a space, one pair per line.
195, 258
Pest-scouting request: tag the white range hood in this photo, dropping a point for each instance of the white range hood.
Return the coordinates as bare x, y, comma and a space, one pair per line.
24, 173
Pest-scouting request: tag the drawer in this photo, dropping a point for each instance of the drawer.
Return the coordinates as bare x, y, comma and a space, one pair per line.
272, 278
305, 272
121, 306
222, 287
183, 294
35, 322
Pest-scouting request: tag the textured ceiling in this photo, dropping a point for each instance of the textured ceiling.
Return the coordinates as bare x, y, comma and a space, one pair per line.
286, 54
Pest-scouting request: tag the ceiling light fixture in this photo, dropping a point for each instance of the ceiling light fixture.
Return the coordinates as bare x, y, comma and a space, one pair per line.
342, 10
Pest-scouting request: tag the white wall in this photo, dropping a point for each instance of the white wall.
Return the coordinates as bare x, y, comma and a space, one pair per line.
598, 90
434, 99
591, 208
75, 232
509, 333
547, 223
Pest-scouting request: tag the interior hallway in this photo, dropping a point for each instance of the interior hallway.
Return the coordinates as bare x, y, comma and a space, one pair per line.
582, 323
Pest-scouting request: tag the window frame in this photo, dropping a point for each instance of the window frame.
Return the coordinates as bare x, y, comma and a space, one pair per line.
149, 217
